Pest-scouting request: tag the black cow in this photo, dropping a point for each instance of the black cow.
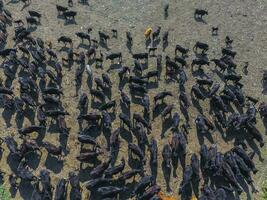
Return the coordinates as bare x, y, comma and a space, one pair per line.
199, 13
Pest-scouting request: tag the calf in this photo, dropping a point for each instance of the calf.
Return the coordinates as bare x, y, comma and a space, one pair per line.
155, 33
61, 9
228, 41
31, 21
214, 31
69, 15
103, 37
129, 38
35, 14
182, 50
199, 13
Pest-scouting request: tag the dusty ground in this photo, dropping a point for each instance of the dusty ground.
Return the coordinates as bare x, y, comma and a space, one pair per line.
245, 21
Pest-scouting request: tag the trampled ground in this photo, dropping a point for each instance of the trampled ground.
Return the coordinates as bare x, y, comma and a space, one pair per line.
245, 21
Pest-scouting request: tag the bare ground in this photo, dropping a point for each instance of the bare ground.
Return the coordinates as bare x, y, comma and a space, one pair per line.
245, 21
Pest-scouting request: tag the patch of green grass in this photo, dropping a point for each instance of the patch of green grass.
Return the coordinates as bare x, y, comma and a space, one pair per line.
4, 195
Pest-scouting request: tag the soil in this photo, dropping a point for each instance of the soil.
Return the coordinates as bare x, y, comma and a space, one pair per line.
243, 20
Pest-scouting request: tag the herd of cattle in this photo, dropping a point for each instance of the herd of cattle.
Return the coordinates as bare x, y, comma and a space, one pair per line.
38, 69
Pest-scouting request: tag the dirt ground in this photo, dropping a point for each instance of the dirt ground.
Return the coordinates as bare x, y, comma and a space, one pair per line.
244, 20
